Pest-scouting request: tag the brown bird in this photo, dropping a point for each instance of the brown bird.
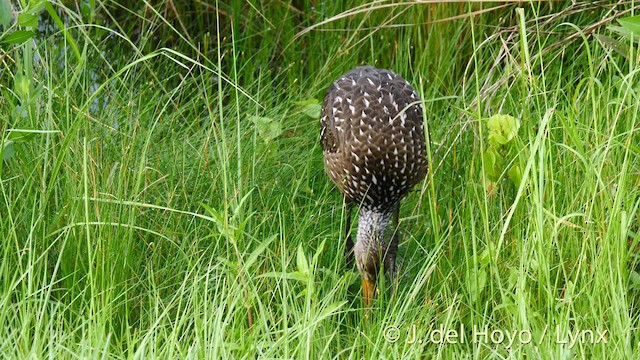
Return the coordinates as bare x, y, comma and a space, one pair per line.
373, 142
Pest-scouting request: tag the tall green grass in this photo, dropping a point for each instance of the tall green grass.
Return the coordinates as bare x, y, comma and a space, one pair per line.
171, 201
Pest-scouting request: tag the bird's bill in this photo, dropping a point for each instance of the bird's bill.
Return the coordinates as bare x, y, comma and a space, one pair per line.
368, 291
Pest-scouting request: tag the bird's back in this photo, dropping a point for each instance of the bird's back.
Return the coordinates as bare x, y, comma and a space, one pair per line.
372, 136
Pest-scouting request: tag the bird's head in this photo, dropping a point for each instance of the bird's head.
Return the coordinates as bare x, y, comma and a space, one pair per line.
370, 247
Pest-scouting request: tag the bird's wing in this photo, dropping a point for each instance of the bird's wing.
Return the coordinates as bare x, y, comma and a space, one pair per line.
328, 131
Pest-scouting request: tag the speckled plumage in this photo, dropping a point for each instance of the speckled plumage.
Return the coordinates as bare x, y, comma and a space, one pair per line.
373, 142
372, 136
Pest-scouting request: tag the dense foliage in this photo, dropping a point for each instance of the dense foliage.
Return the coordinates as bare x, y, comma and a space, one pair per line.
162, 191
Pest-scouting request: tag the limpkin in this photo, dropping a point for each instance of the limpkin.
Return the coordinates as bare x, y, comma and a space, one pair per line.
373, 142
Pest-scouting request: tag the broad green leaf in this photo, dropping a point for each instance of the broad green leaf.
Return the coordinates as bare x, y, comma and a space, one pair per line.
35, 92
310, 107
502, 128
18, 37
489, 158
26, 19
482, 281
632, 24
634, 280
492, 164
513, 278
8, 150
21, 85
312, 110
303, 264
268, 128
36, 6
230, 264
515, 175
86, 10
219, 220
258, 251
615, 45
620, 31
477, 284
297, 275
5, 13
14, 138
485, 256
213, 212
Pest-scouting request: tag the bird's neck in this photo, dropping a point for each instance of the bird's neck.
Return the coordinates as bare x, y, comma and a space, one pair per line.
372, 226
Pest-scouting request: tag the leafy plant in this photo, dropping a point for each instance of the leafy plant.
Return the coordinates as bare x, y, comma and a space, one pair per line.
268, 128
311, 108
628, 31
502, 130
22, 35
12, 141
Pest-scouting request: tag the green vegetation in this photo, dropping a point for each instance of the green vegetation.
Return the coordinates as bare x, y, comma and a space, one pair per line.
162, 192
